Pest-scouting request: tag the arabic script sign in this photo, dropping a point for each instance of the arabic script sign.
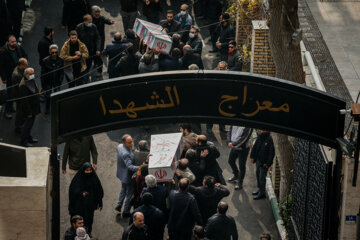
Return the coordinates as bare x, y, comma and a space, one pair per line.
209, 96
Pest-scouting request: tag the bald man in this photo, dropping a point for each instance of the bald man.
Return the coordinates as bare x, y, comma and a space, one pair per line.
138, 229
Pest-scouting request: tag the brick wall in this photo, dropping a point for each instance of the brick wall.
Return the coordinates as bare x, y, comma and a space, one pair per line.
261, 59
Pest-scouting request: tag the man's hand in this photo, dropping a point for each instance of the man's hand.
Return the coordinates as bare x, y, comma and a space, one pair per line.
98, 53
204, 153
156, 51
230, 145
63, 171
63, 27
29, 116
252, 160
148, 158
85, 194
76, 57
94, 166
218, 44
217, 184
78, 53
112, 21
100, 208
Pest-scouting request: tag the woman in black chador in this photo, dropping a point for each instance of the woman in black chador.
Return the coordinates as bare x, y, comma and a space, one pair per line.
85, 195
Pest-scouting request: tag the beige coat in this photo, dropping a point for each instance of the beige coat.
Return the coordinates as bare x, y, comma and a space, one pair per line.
65, 54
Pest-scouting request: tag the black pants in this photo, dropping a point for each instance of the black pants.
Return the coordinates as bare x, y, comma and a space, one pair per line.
213, 33
19, 118
209, 127
183, 235
49, 88
26, 130
242, 156
261, 172
9, 105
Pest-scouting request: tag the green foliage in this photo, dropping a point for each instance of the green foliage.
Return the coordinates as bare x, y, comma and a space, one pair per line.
285, 212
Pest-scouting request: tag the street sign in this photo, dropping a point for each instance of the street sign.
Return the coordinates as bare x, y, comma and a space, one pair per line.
203, 96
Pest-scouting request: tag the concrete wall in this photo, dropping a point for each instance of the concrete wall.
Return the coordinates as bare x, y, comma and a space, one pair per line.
23, 201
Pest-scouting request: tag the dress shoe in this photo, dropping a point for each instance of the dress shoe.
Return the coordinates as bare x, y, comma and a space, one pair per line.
118, 208
259, 196
255, 193
126, 215
33, 140
233, 179
238, 187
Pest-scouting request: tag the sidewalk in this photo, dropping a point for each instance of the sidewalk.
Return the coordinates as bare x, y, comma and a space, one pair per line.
338, 24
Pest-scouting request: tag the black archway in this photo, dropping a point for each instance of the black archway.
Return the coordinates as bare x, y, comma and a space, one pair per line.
204, 96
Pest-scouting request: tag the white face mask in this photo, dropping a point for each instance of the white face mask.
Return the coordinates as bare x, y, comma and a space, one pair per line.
191, 35
32, 76
183, 13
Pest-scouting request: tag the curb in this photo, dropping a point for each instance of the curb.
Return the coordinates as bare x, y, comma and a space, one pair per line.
275, 208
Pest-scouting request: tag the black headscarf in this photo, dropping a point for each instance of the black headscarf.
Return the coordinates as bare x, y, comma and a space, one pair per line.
83, 182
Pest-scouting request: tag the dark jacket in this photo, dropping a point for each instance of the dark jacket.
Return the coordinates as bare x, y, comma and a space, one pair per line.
239, 140
263, 150
174, 27
154, 67
100, 24
57, 72
221, 227
73, 12
154, 219
159, 194
128, 5
115, 51
129, 64
133, 233
7, 63
196, 44
90, 37
31, 104
234, 63
192, 58
16, 77
169, 63
151, 12
43, 48
184, 212
208, 199
78, 151
140, 157
209, 165
5, 22
70, 233
226, 34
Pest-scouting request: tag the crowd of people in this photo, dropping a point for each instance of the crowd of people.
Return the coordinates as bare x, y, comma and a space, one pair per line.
80, 58
190, 205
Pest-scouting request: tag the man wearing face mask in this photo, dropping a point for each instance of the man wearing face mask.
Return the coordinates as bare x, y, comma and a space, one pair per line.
53, 74
30, 105
89, 35
74, 52
227, 33
185, 20
194, 40
170, 23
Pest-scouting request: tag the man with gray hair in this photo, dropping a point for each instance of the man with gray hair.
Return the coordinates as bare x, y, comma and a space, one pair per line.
193, 67
52, 74
158, 192
100, 22
30, 105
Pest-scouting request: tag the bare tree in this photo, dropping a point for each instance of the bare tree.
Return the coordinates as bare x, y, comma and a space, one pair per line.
283, 22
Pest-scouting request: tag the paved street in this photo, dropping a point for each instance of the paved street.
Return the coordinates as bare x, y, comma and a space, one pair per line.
252, 217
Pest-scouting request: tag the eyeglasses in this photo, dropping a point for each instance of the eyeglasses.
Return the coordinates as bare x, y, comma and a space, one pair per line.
231, 47
54, 52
